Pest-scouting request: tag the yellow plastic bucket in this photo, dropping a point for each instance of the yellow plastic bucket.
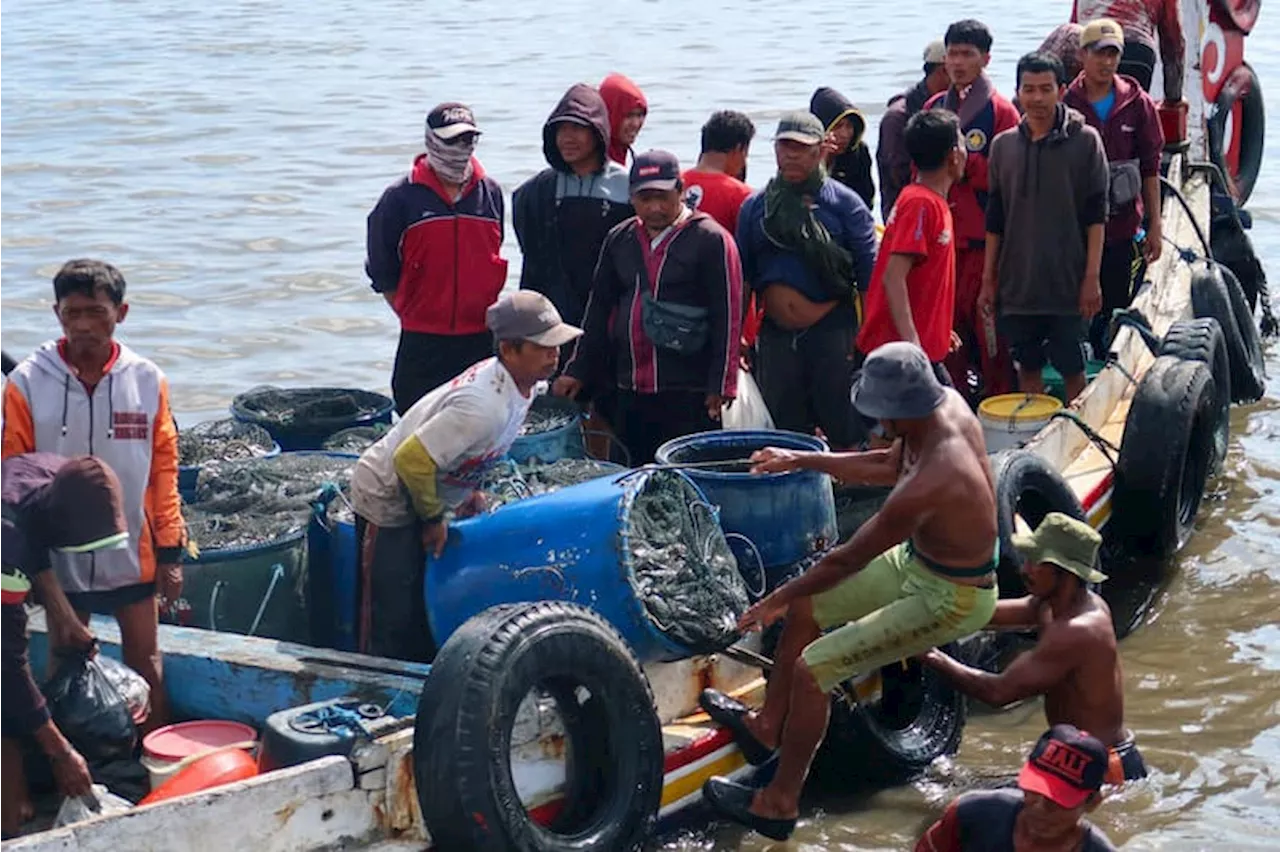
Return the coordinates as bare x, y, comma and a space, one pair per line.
1011, 419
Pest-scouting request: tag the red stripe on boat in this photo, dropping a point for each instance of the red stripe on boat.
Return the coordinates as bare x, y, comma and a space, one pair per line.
698, 749
546, 814
1095, 496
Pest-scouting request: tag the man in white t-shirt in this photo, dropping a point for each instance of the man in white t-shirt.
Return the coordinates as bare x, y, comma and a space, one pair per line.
432, 461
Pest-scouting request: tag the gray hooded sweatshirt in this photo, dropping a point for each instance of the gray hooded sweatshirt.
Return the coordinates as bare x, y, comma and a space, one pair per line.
1044, 196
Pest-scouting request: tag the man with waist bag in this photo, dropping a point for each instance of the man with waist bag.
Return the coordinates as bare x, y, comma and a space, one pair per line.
1125, 116
808, 245
671, 281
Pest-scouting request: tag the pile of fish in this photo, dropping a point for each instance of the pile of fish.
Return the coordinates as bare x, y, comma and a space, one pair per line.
285, 406
356, 440
222, 440
545, 416
507, 482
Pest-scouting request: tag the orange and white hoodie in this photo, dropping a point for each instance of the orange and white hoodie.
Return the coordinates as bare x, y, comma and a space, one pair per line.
126, 422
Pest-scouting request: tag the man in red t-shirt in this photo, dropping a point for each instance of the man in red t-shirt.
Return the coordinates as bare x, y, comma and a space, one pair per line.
913, 285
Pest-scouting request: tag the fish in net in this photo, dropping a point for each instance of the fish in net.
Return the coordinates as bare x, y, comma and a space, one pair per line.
546, 414
222, 440
356, 440
258, 501
684, 572
507, 482
287, 406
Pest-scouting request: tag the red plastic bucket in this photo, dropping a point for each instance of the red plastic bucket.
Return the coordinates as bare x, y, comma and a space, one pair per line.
205, 773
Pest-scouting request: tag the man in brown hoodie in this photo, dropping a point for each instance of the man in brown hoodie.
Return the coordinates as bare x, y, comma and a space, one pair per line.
1046, 214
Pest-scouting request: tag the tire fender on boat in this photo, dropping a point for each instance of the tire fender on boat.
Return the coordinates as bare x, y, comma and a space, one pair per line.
1029, 487
1165, 456
1202, 340
1216, 294
613, 754
1248, 138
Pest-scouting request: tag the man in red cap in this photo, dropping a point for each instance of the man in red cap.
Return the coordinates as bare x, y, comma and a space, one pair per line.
1058, 785
51, 503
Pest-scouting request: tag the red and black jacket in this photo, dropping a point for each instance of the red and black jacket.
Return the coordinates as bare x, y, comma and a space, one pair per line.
439, 258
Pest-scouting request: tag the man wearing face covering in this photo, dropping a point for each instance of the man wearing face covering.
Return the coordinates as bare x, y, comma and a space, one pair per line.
433, 240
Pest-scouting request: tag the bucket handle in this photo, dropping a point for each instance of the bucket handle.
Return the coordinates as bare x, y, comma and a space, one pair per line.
1013, 415
277, 574
764, 579
213, 604
612, 439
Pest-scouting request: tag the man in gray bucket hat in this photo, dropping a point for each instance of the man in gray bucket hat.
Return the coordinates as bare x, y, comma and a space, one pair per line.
919, 573
1074, 664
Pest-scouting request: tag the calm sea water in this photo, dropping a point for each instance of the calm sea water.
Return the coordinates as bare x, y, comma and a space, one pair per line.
224, 155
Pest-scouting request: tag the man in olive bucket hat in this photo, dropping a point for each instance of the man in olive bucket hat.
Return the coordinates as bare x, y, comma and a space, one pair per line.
1075, 664
919, 573
50, 503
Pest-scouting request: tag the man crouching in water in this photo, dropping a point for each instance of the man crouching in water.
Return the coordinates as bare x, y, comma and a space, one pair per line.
1075, 664
919, 573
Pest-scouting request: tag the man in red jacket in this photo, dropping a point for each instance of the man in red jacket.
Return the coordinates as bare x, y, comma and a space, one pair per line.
434, 239
983, 114
1117, 107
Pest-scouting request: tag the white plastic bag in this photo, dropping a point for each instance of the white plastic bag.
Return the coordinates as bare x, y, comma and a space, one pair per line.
79, 808
748, 410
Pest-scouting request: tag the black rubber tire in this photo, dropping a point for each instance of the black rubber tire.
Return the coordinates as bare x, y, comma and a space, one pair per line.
1165, 457
878, 745
1211, 297
1242, 84
1202, 340
614, 750
1026, 485
1248, 326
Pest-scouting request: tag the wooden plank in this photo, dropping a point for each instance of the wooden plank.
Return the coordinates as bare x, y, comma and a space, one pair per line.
301, 808
227, 676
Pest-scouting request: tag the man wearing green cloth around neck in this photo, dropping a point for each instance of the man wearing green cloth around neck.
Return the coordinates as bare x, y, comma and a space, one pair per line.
807, 245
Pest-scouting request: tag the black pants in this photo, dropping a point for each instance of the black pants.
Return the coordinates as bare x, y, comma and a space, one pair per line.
1139, 62
393, 608
426, 361
1122, 265
806, 377
646, 421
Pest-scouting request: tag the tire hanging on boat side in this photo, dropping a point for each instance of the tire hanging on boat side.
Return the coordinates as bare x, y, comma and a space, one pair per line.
462, 741
1027, 486
1202, 340
1165, 457
1216, 294
1241, 87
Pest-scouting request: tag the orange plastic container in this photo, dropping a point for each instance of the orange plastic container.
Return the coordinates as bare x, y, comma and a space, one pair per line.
1173, 121
205, 773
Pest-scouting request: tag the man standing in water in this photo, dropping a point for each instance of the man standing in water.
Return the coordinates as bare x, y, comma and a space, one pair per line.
433, 243
892, 158
808, 245
920, 572
983, 115
666, 308
1075, 664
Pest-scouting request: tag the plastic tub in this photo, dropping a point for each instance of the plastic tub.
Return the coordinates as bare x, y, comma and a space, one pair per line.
204, 773
330, 414
785, 516
563, 442
164, 749
1010, 420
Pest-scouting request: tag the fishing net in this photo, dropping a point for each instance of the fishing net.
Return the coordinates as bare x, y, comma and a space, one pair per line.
222, 440
548, 414
313, 407
258, 501
684, 572
507, 482
356, 440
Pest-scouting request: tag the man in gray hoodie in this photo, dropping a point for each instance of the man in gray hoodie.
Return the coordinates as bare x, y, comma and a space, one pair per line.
1046, 214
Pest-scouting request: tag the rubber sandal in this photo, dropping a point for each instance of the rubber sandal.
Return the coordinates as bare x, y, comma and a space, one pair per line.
731, 713
734, 802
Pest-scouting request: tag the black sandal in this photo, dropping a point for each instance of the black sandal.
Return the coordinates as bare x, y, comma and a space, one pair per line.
733, 801
732, 713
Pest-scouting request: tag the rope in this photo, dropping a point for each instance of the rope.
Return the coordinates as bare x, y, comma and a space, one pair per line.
1108, 449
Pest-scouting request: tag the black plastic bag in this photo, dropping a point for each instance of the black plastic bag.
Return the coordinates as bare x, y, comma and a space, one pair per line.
89, 710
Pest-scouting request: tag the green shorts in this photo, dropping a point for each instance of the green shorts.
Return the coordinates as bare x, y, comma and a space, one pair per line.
893, 609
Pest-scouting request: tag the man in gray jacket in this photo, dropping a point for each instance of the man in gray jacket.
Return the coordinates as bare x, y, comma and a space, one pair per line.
1046, 214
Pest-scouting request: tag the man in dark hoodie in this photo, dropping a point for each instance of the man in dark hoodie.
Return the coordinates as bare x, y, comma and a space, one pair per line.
847, 158
983, 114
1125, 115
563, 213
1045, 217
892, 158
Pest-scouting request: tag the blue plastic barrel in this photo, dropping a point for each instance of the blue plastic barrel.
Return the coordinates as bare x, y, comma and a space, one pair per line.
310, 432
333, 580
564, 442
567, 545
189, 474
786, 516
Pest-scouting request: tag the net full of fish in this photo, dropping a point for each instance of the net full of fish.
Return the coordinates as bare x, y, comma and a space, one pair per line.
257, 501
546, 418
684, 572
508, 482
357, 439
284, 406
222, 440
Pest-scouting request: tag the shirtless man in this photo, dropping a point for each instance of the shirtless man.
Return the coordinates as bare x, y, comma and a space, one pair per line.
1075, 664
919, 573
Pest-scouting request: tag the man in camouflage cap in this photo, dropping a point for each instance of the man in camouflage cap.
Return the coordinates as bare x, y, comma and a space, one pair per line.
1075, 664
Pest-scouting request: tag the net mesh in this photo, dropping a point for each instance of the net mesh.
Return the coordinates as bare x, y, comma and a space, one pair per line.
307, 406
685, 574
258, 501
222, 440
546, 417
507, 482
357, 439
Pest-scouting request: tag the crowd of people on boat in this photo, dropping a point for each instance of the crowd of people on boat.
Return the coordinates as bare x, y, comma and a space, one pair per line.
647, 292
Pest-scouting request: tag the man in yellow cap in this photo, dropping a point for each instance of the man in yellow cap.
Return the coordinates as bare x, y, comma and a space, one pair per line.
1075, 664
